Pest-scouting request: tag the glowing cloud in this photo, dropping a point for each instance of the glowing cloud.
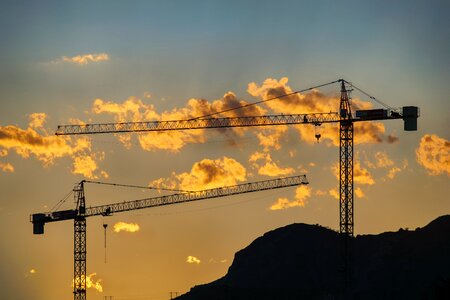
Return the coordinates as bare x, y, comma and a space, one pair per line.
334, 193
192, 260
90, 283
46, 148
84, 59
301, 194
315, 102
127, 227
433, 154
86, 166
270, 138
33, 271
206, 174
37, 120
269, 167
133, 109
360, 175
7, 168
393, 171
359, 193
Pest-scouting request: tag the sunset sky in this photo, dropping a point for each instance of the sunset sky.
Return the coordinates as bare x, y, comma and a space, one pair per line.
75, 62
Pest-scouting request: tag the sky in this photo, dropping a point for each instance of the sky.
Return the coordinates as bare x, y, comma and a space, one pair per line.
76, 62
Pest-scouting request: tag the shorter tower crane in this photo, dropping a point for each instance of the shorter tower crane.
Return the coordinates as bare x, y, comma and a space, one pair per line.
81, 212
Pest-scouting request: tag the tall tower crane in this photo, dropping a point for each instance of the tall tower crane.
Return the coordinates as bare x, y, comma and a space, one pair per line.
344, 117
81, 212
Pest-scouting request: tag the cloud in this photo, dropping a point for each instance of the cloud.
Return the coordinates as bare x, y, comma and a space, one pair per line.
382, 160
392, 139
7, 168
86, 165
301, 194
206, 174
320, 193
31, 272
47, 148
192, 260
433, 154
359, 193
37, 120
128, 227
334, 193
316, 102
270, 137
133, 109
360, 174
90, 283
268, 167
393, 171
84, 59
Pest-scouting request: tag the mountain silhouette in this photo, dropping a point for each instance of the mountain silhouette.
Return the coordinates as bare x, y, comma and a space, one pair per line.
301, 261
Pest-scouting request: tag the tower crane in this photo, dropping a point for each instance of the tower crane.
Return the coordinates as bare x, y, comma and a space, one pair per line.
344, 117
81, 212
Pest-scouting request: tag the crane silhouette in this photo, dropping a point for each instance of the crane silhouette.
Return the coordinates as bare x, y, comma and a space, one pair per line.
344, 117
81, 212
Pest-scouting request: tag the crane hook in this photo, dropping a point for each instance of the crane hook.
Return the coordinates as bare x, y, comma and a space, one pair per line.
317, 134
105, 226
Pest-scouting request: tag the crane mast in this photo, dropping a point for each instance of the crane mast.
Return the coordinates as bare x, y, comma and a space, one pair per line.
345, 165
81, 212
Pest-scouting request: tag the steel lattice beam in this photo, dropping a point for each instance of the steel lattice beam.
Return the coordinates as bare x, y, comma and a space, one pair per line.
345, 165
346, 179
195, 196
315, 118
79, 273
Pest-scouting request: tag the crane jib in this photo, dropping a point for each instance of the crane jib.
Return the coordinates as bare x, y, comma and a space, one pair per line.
40, 219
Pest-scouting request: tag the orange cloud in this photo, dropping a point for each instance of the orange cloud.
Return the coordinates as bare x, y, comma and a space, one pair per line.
393, 171
84, 59
46, 148
382, 160
334, 193
268, 167
133, 109
301, 194
359, 193
37, 120
31, 272
433, 154
86, 165
192, 260
360, 175
320, 193
127, 227
7, 168
90, 283
316, 102
206, 174
270, 137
